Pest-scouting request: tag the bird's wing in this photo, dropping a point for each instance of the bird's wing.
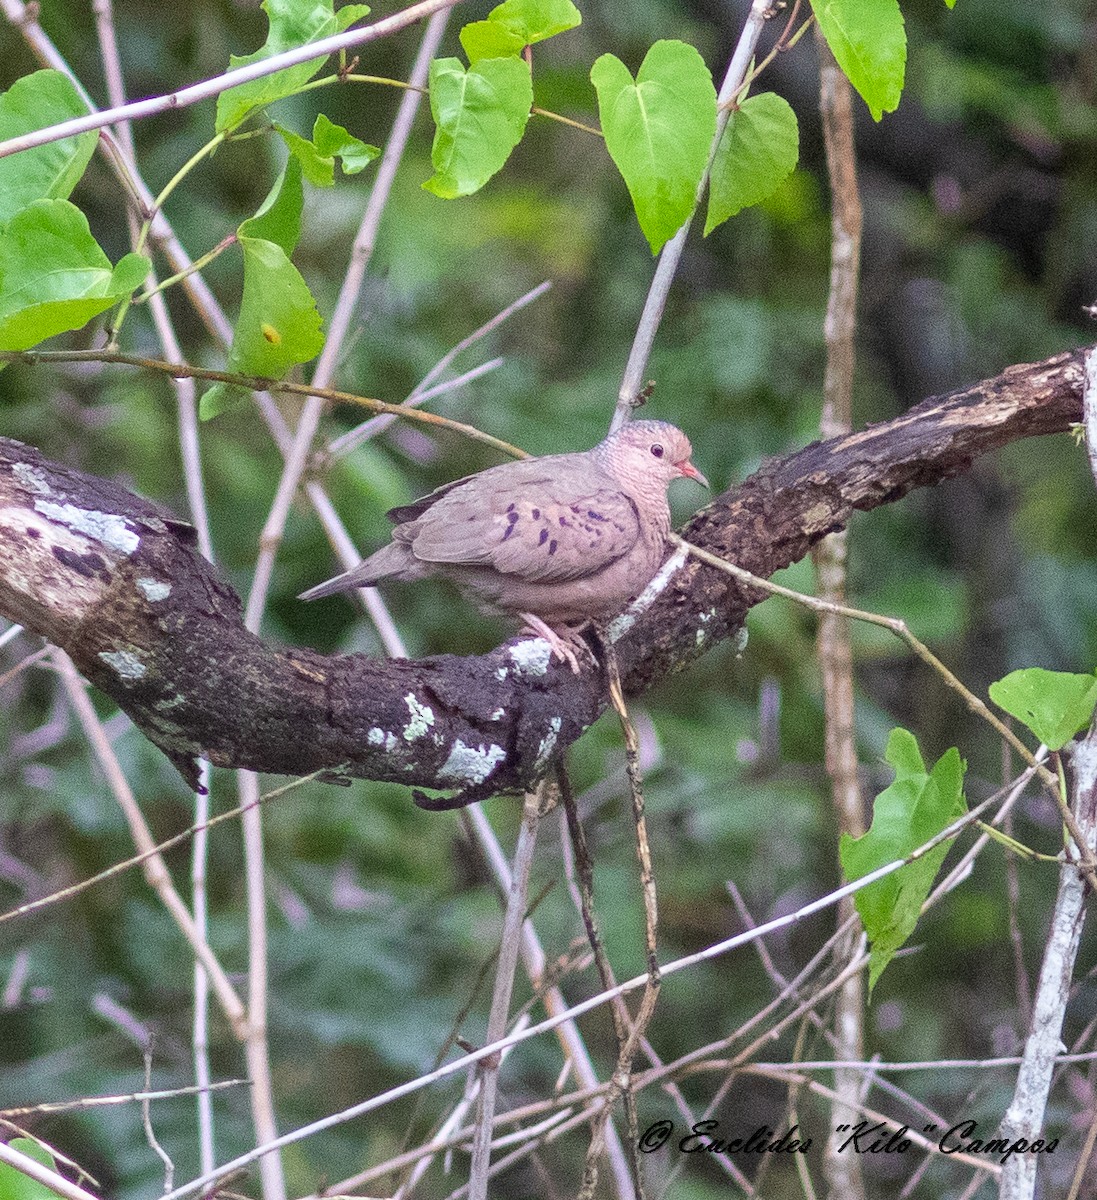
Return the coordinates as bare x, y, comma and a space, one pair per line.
540, 520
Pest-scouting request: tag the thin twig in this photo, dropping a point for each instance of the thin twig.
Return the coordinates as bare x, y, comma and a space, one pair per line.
1081, 1171
33, 1169
156, 871
901, 630
150, 1133
200, 1021
671, 253
583, 888
256, 1044
353, 438
59, 1106
627, 1047
1025, 1115
159, 849
209, 88
533, 955
425, 388
29, 661
257, 383
296, 459
509, 945
187, 410
834, 649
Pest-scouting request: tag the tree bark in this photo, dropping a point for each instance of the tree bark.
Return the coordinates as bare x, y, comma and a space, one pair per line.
118, 584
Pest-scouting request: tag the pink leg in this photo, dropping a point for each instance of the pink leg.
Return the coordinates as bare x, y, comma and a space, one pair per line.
564, 643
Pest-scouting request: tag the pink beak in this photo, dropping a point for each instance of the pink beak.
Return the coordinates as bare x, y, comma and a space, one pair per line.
690, 472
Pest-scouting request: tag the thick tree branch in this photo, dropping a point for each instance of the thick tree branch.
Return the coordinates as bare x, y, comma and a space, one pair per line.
120, 586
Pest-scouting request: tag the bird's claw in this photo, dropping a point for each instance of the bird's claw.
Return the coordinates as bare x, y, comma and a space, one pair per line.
563, 642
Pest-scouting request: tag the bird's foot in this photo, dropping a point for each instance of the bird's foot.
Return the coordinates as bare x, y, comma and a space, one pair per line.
564, 641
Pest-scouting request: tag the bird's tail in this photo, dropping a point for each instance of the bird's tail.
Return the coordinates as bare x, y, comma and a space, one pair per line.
391, 561
341, 583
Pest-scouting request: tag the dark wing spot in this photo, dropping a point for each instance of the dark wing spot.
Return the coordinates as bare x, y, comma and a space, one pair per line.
510, 530
510, 508
595, 516
552, 546
536, 514
543, 538
512, 517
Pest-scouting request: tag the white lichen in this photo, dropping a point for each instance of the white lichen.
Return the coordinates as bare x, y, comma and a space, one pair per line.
154, 590
422, 718
498, 714
469, 765
381, 737
31, 477
108, 528
547, 744
126, 663
532, 657
619, 626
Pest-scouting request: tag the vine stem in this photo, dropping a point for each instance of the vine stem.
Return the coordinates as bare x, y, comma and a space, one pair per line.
228, 79
180, 370
900, 629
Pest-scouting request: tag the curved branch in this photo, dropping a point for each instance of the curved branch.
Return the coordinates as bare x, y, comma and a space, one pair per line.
120, 586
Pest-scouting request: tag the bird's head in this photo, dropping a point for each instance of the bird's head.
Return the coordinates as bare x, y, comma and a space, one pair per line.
648, 455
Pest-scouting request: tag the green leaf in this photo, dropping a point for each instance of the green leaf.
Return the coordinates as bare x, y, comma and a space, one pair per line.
868, 40
329, 141
914, 809
490, 39
319, 171
480, 116
1055, 705
757, 152
292, 23
279, 217
658, 129
279, 326
221, 398
47, 172
333, 141
14, 1185
515, 24
53, 275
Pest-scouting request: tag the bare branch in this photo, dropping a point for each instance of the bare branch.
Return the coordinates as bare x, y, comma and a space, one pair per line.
229, 79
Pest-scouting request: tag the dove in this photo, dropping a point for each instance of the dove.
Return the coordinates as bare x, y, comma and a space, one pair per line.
558, 540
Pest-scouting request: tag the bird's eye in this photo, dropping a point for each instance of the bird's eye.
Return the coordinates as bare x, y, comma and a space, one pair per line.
657, 450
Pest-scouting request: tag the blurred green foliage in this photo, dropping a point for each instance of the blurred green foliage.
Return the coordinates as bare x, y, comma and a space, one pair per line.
981, 228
